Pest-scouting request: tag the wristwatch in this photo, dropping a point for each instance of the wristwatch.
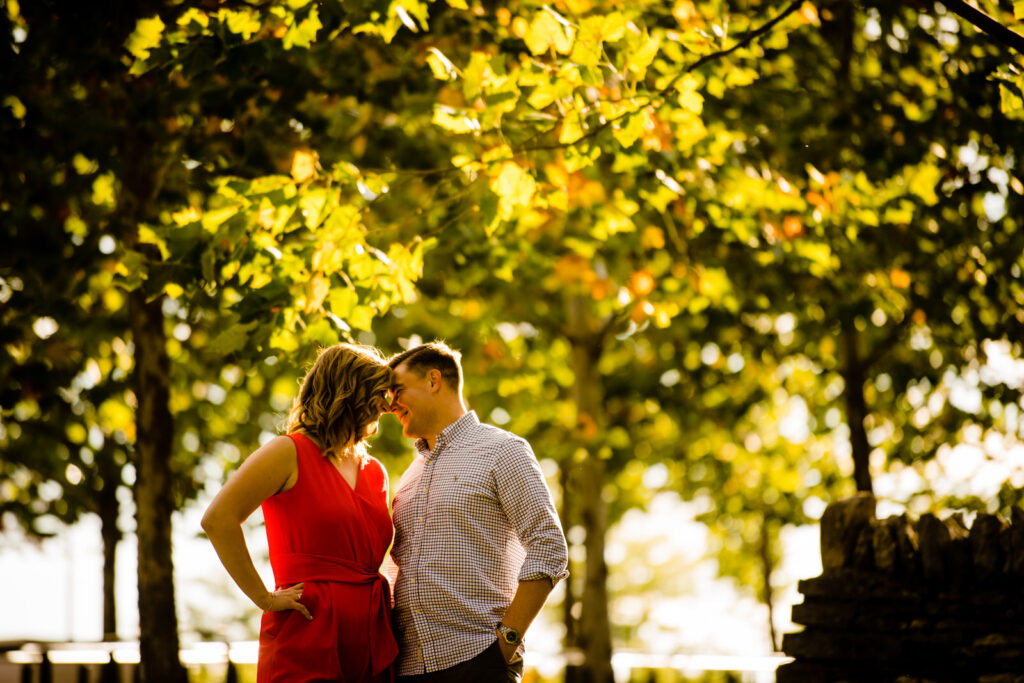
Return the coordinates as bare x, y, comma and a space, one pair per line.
509, 635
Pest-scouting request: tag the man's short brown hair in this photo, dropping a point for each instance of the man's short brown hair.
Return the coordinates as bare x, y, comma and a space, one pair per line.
435, 355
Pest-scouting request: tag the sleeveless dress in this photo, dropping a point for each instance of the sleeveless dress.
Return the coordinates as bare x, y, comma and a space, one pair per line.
331, 537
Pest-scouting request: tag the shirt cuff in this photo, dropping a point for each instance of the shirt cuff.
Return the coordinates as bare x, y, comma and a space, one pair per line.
536, 573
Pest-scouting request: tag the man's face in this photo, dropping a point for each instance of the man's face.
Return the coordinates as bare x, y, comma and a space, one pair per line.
411, 401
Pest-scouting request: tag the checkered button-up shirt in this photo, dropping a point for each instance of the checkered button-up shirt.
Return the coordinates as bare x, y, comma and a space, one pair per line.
473, 518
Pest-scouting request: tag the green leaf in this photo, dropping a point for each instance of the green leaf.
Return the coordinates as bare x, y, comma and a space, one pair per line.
208, 263
323, 333
284, 340
232, 339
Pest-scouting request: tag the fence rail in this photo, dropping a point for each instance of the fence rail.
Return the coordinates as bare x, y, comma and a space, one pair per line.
114, 662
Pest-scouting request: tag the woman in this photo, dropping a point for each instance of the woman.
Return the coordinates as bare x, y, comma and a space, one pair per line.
325, 504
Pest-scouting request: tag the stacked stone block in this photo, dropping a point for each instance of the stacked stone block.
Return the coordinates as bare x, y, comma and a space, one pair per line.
930, 600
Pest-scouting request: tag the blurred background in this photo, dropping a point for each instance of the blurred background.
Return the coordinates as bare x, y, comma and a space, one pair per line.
721, 263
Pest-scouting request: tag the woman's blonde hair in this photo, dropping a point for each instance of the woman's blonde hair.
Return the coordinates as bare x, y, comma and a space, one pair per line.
341, 395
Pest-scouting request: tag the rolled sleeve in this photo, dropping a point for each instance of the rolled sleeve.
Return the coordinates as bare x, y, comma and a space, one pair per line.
524, 496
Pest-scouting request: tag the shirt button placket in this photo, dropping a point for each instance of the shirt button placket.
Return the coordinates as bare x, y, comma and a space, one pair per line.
421, 502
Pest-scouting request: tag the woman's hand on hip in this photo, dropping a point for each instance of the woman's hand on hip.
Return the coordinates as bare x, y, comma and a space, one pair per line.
285, 599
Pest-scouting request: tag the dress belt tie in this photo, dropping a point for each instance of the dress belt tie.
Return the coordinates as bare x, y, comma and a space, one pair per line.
295, 568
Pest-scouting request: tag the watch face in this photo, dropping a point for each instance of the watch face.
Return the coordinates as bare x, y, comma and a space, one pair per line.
510, 635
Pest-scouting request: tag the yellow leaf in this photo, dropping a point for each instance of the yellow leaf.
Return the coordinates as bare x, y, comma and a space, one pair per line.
16, 106
691, 101
627, 131
212, 220
614, 27
103, 190
442, 67
922, 182
244, 22
809, 13
653, 238
186, 216
313, 206
513, 184
303, 165
546, 33
820, 256
318, 290
447, 119
642, 58
196, 15
714, 283
572, 128
145, 37
684, 12
1011, 103
284, 340
593, 33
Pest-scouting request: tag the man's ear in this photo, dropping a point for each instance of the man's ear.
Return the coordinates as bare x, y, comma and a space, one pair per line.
434, 376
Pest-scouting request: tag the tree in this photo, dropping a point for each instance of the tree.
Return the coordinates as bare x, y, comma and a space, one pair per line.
705, 215
168, 239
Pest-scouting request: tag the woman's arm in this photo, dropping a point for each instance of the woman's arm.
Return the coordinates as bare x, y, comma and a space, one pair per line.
271, 468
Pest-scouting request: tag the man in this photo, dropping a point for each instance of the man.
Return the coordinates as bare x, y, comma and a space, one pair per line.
478, 545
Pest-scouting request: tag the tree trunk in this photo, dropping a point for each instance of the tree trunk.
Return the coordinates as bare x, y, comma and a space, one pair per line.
568, 500
768, 568
856, 407
594, 631
108, 508
158, 623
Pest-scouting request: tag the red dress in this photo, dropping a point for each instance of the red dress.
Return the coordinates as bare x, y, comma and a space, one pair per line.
331, 537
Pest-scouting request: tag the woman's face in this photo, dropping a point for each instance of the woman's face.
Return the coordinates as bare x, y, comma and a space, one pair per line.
380, 406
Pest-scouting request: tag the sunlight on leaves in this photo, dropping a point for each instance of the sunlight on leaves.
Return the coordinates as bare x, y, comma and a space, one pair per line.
145, 37
304, 162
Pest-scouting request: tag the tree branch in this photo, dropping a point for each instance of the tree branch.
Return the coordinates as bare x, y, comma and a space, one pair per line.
746, 40
987, 24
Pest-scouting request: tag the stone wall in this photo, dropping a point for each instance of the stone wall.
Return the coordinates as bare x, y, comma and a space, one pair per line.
911, 601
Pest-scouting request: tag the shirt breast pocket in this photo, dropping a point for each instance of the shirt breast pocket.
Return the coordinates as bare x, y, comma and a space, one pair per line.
470, 502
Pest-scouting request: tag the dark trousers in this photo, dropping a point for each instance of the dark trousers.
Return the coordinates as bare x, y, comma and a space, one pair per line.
487, 667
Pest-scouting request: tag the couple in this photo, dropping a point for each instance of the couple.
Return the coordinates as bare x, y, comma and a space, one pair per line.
477, 542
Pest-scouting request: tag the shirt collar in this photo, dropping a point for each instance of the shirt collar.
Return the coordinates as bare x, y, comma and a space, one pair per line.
448, 435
